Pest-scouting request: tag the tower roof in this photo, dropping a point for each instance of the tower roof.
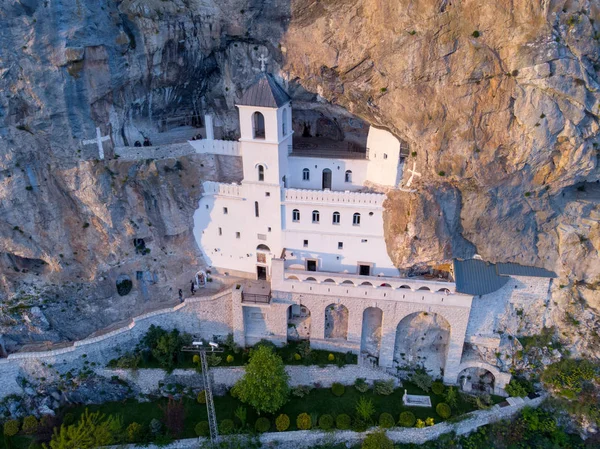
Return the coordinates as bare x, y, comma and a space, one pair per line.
265, 92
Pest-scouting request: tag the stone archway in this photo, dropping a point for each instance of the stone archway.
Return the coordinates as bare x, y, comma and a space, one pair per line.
370, 341
477, 380
422, 341
298, 322
336, 321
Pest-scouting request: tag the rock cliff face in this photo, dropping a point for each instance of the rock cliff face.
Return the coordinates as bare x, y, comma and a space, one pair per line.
498, 101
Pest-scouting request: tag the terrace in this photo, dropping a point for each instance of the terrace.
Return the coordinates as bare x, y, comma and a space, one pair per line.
322, 147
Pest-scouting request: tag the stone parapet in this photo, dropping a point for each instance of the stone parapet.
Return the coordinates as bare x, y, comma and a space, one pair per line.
223, 147
334, 197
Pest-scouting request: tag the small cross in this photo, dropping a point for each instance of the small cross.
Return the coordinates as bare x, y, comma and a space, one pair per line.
413, 173
98, 141
263, 63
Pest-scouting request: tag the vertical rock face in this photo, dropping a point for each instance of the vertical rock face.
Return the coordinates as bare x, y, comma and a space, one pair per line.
498, 101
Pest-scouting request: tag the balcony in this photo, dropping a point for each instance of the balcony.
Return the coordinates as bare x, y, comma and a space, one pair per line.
256, 292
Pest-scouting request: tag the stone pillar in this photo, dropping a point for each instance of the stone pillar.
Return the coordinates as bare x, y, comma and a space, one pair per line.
388, 340
458, 328
208, 125
355, 318
237, 311
317, 321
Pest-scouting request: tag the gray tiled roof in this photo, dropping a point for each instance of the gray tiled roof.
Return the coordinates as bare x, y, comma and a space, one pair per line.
476, 277
265, 92
514, 269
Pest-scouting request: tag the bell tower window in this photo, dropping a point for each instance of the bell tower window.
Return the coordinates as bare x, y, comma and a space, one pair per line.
261, 173
258, 125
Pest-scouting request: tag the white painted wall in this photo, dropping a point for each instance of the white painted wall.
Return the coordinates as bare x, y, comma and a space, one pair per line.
316, 166
384, 158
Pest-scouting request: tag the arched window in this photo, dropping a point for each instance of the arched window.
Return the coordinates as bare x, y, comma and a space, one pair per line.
356, 219
258, 125
284, 122
315, 216
256, 214
336, 218
348, 177
261, 173
385, 155
306, 174
295, 215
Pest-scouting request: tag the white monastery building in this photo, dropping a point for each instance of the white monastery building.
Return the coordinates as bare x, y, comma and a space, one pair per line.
307, 220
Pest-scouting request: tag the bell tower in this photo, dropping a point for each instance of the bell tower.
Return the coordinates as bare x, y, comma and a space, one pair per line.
265, 127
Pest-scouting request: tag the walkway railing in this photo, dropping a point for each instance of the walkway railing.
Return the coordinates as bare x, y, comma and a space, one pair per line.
256, 299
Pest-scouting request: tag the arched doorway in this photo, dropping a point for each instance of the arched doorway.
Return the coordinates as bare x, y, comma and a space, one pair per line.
422, 341
370, 340
263, 253
326, 179
336, 321
298, 322
477, 380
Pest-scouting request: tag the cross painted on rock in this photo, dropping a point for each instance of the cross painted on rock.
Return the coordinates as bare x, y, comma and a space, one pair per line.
413, 173
98, 141
263, 63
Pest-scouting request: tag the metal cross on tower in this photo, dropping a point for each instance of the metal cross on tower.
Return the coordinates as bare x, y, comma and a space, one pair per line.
199, 348
98, 141
263, 63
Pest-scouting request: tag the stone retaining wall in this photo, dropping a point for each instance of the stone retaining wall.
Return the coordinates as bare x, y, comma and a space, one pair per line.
307, 439
196, 315
147, 380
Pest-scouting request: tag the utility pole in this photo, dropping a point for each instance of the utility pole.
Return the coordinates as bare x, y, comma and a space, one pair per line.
199, 348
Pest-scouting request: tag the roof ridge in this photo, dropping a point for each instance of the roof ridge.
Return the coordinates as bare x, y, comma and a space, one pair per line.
265, 92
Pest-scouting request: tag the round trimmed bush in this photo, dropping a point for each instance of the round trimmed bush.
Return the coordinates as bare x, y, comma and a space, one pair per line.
304, 421
229, 358
282, 423
11, 428
331, 357
134, 432
338, 389
262, 424
201, 397
343, 422
377, 440
202, 429
437, 387
386, 421
325, 422
196, 359
297, 356
30, 425
443, 410
407, 419
227, 427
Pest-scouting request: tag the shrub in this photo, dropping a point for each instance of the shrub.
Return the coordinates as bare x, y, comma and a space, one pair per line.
386, 421
422, 380
201, 397
35, 445
331, 357
377, 440
443, 410
282, 423
568, 376
202, 429
451, 396
262, 424
265, 383
442, 173
241, 413
297, 357
518, 388
420, 424
229, 358
365, 409
301, 390
437, 387
30, 425
429, 421
68, 419
407, 419
165, 346
11, 427
338, 389
383, 387
156, 426
326, 422
303, 421
227, 427
476, 34
174, 416
343, 422
95, 429
361, 385
135, 432
196, 359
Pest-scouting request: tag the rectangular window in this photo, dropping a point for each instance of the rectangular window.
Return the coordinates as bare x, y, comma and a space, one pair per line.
295, 215
220, 231
256, 213
269, 229
306, 243
207, 206
237, 235
385, 155
363, 241
267, 193
340, 245
315, 216
225, 211
261, 236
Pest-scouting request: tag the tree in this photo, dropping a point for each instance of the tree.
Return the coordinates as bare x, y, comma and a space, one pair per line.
93, 430
174, 416
265, 383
